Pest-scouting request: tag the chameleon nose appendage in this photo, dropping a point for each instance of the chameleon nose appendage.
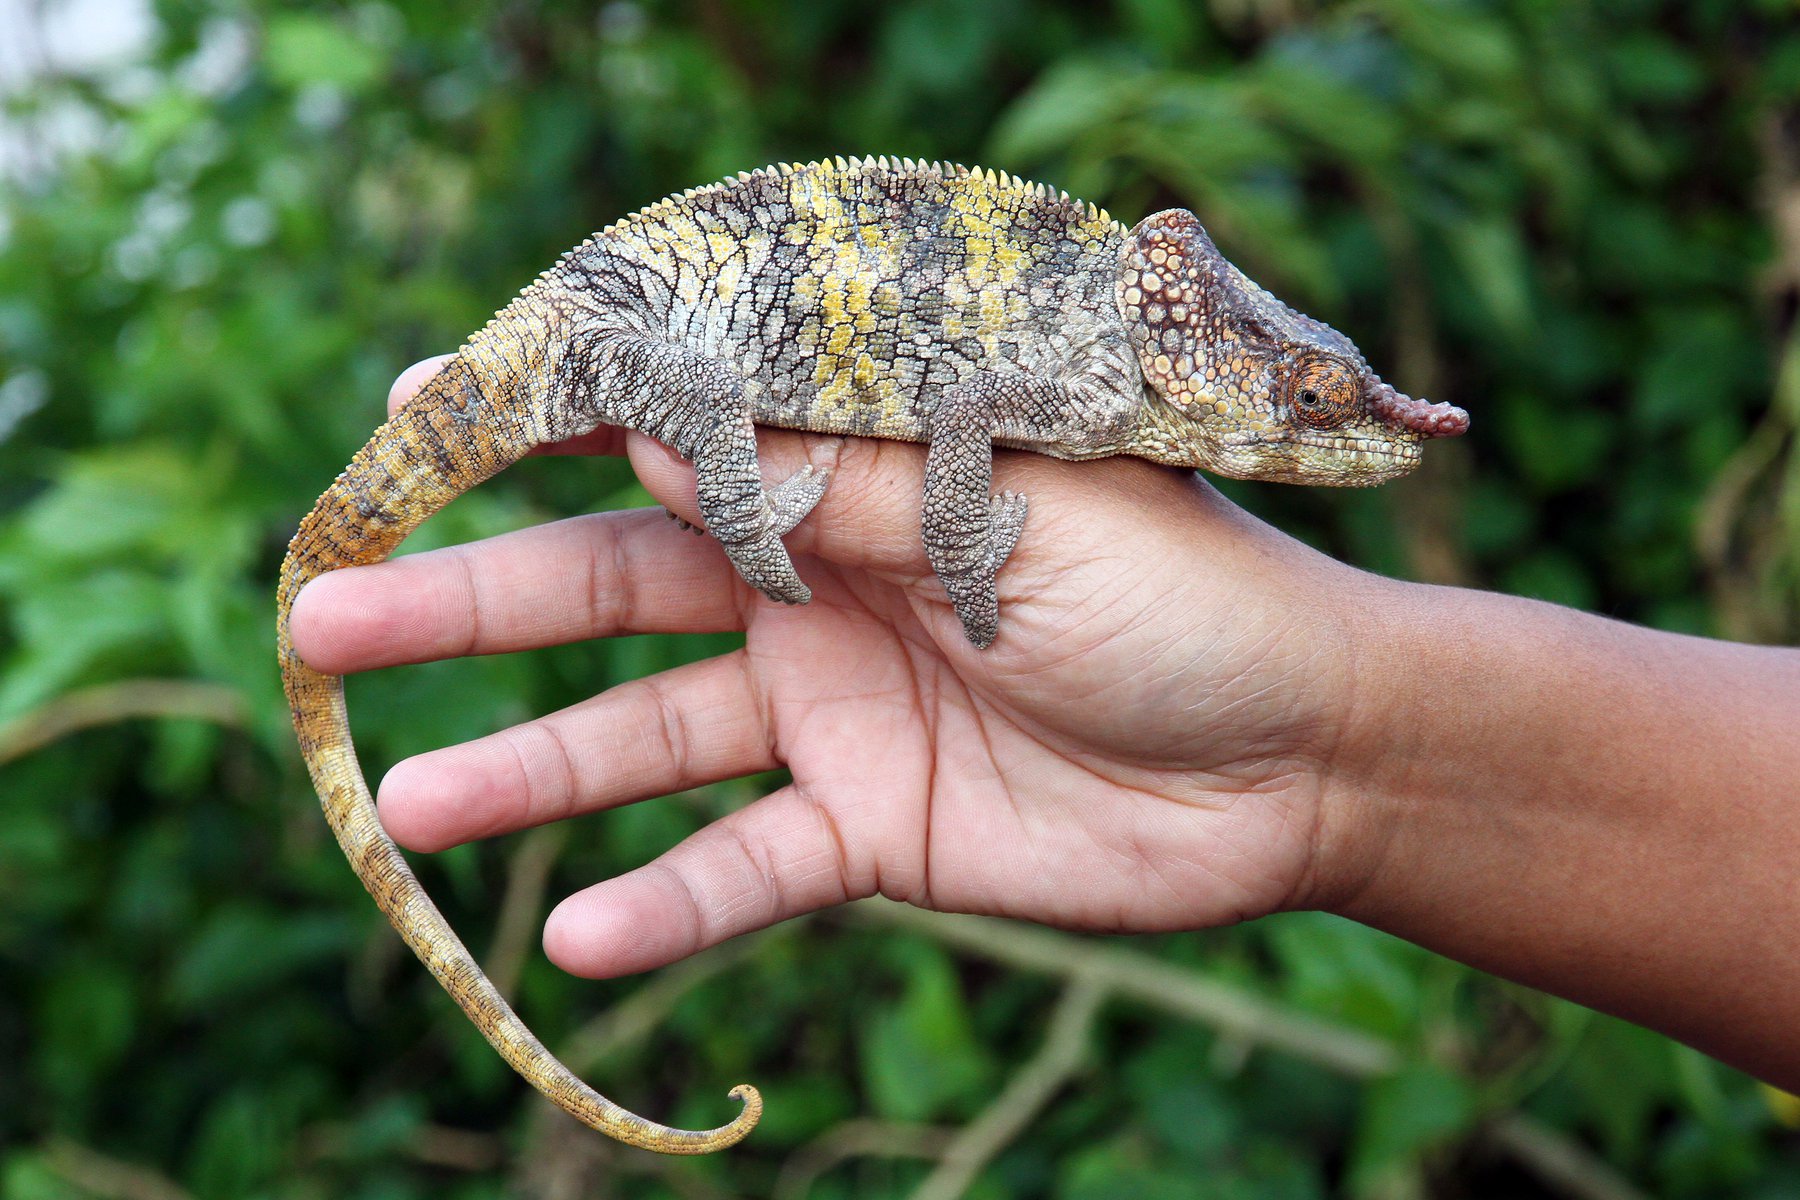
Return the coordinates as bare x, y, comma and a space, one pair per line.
1421, 416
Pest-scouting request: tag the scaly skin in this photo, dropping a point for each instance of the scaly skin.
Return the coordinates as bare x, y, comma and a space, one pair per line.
882, 298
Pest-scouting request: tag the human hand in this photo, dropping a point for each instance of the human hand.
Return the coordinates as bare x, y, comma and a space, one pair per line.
1144, 748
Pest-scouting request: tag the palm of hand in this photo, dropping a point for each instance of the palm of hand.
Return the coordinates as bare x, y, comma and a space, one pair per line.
1139, 751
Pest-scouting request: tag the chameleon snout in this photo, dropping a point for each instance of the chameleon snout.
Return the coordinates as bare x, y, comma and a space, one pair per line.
1419, 416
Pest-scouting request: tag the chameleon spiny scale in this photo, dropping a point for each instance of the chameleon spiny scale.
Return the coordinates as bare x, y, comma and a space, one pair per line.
887, 298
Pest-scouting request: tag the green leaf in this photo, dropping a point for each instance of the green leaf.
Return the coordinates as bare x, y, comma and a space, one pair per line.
1063, 106
1111, 1170
69, 627
919, 1053
86, 1015
241, 1142
1493, 260
1553, 450
1406, 1116
149, 496
1552, 575
28, 1175
300, 50
242, 948
1347, 971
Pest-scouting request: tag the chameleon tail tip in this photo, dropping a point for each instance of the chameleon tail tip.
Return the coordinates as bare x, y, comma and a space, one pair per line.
749, 1115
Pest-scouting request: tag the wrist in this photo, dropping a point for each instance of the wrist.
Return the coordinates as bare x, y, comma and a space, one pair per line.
1598, 810
1460, 731
1373, 770
1460, 735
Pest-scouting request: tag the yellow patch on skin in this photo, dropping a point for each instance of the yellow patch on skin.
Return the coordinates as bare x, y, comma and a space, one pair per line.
838, 342
731, 273
851, 261
852, 257
687, 283
863, 375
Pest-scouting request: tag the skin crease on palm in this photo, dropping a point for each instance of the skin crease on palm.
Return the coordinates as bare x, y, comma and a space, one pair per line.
1189, 719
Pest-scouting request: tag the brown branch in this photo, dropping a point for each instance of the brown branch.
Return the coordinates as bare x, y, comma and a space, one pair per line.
1245, 1017
432, 1145
522, 905
1558, 1160
1063, 1053
108, 1177
635, 1018
1135, 976
110, 703
856, 1138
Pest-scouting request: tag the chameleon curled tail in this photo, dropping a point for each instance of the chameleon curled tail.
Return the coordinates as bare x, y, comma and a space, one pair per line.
446, 440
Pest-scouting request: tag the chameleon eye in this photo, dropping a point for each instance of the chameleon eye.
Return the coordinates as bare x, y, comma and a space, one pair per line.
1323, 394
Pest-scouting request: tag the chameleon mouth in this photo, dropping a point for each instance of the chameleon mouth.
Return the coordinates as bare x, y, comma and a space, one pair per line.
1385, 450
1317, 457
1359, 448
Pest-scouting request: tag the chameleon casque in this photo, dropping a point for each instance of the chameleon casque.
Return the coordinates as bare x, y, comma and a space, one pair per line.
877, 297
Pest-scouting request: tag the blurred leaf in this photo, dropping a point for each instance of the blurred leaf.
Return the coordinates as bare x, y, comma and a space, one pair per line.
1407, 1115
1113, 1169
28, 1175
242, 948
919, 1055
241, 1143
69, 627
217, 250
1494, 259
1648, 67
1348, 971
1553, 455
1549, 575
305, 49
1696, 365
86, 1014
1065, 105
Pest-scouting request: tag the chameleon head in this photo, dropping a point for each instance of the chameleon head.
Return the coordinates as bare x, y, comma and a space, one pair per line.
1243, 385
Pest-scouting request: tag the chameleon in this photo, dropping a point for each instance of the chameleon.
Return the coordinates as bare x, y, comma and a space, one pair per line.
875, 297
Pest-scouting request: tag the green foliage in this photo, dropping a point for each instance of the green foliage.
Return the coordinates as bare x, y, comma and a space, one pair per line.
1552, 214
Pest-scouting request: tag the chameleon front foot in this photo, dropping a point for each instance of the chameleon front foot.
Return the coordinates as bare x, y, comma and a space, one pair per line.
797, 495
1007, 512
789, 503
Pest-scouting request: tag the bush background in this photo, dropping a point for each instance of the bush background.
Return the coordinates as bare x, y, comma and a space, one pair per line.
1580, 221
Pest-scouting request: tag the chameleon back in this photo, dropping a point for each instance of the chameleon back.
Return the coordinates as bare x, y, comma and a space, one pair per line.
851, 293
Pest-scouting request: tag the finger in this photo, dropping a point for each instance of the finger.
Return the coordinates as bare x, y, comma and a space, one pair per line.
684, 728
594, 576
778, 858
606, 440
869, 516
412, 379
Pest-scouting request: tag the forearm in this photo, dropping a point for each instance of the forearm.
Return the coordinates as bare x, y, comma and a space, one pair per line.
1606, 812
